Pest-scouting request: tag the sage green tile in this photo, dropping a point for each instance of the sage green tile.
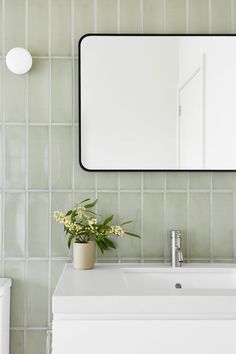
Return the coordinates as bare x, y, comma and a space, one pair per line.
62, 202
198, 16
75, 88
38, 93
107, 180
1, 235
38, 27
222, 225
221, 16
37, 293
15, 97
177, 180
14, 24
176, 219
83, 19
61, 27
107, 16
153, 180
35, 341
175, 16
130, 16
223, 180
153, 16
15, 271
15, 241
1, 39
38, 232
15, 158
108, 205
15, 151
153, 219
62, 103
130, 180
17, 342
61, 157
199, 225
200, 180
38, 157
82, 178
130, 209
1, 87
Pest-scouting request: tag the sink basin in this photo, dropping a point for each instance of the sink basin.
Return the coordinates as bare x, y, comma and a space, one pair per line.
180, 278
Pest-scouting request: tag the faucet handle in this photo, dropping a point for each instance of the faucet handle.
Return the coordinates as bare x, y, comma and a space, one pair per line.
180, 257
175, 233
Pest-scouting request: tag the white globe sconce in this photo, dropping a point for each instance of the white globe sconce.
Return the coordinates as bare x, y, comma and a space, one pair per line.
19, 60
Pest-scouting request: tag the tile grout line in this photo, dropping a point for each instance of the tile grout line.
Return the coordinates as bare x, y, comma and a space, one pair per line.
3, 140
26, 183
187, 217
50, 161
142, 173
211, 219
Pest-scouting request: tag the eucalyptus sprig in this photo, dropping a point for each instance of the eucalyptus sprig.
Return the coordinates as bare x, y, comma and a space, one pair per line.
81, 226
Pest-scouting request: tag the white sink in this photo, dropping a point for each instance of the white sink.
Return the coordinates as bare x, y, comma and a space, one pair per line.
180, 278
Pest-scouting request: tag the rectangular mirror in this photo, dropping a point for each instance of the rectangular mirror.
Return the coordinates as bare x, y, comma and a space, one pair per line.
157, 102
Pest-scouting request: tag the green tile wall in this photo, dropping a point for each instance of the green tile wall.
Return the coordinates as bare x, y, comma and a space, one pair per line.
39, 155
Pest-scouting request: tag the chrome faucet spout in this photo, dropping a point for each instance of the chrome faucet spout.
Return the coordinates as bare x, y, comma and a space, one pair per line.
176, 253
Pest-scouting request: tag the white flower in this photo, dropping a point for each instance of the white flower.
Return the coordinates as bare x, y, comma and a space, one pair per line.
59, 216
117, 230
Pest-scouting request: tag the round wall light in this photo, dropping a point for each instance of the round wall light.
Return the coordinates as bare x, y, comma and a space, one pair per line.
19, 60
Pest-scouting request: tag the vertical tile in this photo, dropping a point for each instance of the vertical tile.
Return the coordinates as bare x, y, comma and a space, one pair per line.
61, 91
1, 39
35, 342
37, 293
14, 24
176, 219
221, 16
200, 180
82, 178
84, 19
15, 271
199, 225
15, 231
61, 27
61, 202
76, 89
153, 180
17, 342
153, 15
1, 82
106, 206
130, 16
107, 180
177, 180
38, 225
107, 16
61, 157
1, 235
38, 27
198, 16
222, 221
38, 157
153, 218
38, 93
175, 16
130, 180
130, 209
15, 157
15, 94
223, 180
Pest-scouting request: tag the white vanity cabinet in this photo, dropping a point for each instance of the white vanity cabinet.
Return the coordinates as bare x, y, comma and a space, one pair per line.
97, 311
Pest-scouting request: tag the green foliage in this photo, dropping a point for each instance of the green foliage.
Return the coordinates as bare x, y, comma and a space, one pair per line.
81, 225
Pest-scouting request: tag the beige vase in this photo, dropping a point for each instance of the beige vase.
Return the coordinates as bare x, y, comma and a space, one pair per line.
84, 255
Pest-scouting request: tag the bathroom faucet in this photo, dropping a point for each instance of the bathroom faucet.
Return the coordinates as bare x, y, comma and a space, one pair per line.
176, 253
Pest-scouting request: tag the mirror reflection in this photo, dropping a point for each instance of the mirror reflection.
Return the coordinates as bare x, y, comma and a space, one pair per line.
150, 102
